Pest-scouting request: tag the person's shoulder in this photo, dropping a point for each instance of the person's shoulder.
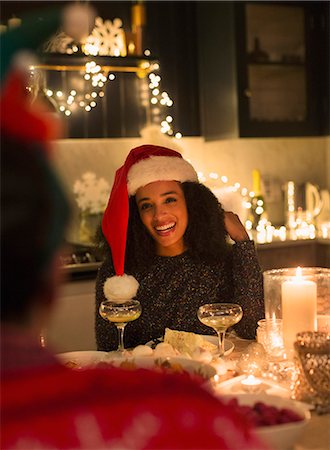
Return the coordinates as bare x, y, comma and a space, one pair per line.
172, 409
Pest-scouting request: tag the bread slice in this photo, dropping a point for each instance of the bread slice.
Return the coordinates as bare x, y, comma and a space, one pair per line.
186, 342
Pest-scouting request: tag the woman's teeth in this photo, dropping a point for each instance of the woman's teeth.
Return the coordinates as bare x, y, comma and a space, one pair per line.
166, 227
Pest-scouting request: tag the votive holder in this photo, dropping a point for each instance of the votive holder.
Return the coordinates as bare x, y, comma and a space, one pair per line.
251, 384
270, 336
312, 370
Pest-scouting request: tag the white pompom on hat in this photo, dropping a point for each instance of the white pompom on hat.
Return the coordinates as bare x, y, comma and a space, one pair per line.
143, 165
120, 289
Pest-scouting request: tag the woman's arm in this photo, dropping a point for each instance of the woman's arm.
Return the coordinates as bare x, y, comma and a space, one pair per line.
235, 228
248, 287
246, 276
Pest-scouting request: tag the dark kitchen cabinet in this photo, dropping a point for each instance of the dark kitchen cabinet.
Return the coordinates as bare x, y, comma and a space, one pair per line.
264, 69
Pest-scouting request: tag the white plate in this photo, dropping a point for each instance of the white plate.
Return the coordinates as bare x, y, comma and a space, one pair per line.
229, 346
173, 365
277, 437
82, 359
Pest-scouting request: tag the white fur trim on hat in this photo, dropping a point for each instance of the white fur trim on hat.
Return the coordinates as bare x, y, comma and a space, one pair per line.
120, 288
159, 168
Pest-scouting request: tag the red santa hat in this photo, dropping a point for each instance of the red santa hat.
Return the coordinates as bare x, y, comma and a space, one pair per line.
143, 165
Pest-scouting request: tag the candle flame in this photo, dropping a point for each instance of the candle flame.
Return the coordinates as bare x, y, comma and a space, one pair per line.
251, 380
298, 272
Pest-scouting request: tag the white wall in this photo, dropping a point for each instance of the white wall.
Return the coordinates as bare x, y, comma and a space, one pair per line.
297, 159
72, 323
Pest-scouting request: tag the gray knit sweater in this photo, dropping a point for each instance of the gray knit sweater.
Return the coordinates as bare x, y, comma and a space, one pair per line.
173, 289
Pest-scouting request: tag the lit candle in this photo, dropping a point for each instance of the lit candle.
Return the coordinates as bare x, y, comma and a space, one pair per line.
251, 383
298, 307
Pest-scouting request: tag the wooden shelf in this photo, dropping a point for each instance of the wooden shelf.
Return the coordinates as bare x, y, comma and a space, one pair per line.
76, 62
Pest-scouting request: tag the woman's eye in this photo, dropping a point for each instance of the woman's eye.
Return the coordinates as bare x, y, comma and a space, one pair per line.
170, 200
145, 206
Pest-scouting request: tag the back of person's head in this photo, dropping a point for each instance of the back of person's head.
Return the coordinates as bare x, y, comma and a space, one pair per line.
34, 213
34, 209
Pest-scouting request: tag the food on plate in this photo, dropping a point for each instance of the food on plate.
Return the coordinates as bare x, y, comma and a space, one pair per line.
262, 415
188, 343
163, 349
72, 365
193, 369
142, 350
142, 357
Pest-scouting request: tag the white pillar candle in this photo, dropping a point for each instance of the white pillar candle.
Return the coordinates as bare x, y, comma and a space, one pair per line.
298, 307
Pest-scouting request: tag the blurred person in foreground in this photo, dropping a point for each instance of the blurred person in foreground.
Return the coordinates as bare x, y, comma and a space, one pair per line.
46, 405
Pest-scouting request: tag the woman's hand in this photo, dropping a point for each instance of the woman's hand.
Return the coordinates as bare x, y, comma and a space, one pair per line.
235, 228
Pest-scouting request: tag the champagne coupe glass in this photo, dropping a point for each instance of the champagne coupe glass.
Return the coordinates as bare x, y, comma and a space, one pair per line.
120, 314
220, 316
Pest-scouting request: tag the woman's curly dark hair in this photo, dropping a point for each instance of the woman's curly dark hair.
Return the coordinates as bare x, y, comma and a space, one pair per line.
205, 236
206, 233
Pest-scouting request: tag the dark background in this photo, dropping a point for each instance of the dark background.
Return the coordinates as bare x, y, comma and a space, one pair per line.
170, 34
178, 33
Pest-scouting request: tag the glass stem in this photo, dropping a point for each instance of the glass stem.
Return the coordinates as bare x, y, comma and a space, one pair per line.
221, 336
120, 328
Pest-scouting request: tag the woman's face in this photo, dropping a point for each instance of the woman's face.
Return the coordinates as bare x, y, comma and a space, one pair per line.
163, 211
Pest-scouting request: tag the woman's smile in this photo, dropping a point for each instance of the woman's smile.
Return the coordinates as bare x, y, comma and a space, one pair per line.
163, 230
163, 211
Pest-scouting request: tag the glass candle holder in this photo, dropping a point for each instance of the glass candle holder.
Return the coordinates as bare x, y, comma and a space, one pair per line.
297, 296
270, 336
312, 381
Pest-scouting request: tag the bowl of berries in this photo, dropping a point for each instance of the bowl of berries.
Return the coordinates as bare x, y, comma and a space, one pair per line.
279, 421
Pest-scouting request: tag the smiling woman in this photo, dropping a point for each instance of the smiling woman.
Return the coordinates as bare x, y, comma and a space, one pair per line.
163, 211
169, 232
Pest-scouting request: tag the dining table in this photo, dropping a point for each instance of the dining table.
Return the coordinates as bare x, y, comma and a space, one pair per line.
316, 434
228, 381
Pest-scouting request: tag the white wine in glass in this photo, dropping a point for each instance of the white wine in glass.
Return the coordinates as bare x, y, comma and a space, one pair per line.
220, 316
120, 314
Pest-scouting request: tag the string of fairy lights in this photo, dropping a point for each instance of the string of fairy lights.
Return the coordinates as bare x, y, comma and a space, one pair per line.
83, 92
95, 79
159, 102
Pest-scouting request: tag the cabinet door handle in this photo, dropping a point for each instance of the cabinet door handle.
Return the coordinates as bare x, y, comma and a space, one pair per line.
247, 93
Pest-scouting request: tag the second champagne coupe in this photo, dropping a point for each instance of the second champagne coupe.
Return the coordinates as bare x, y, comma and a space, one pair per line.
120, 314
220, 316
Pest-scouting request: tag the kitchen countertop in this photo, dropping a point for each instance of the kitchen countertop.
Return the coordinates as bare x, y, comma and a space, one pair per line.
273, 254
293, 243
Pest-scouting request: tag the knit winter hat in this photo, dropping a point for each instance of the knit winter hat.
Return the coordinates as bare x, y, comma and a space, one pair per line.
143, 165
